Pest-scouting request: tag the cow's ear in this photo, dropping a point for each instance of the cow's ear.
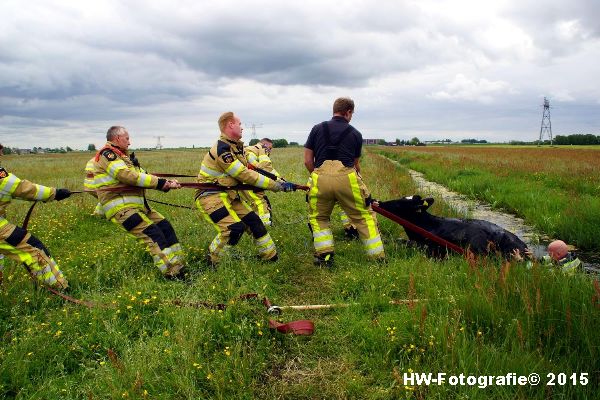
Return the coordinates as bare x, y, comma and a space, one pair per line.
427, 203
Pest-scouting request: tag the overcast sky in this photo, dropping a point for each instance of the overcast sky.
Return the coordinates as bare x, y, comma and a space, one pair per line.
426, 68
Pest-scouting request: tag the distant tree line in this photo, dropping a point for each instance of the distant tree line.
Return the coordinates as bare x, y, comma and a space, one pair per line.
577, 139
36, 150
412, 142
473, 141
276, 142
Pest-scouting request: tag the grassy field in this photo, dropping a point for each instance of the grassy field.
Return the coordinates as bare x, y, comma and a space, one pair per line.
555, 189
477, 317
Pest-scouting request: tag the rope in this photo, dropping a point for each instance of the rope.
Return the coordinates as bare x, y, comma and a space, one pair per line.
299, 327
170, 204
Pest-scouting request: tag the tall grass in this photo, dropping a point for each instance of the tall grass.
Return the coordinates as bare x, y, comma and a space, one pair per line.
468, 316
555, 189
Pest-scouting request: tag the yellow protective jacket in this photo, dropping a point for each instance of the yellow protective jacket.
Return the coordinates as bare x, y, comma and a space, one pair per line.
118, 183
258, 157
89, 182
13, 187
225, 165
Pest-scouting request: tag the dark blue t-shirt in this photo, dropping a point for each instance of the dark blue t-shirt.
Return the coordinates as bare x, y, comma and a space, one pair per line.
348, 147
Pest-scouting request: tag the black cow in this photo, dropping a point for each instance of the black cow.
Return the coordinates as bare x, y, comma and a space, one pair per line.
481, 237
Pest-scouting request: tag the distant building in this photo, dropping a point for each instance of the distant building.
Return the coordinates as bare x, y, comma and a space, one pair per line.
372, 141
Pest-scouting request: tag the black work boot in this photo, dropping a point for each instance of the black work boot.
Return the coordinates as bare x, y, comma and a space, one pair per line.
324, 260
351, 233
273, 259
180, 276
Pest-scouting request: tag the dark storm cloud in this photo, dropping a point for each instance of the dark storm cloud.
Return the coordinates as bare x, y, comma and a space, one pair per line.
174, 66
558, 27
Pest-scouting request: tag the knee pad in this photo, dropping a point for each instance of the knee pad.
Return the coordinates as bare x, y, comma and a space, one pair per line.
168, 231
236, 231
219, 214
157, 236
37, 243
255, 224
132, 221
16, 236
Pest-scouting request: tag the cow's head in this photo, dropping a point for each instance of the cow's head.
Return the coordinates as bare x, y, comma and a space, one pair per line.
407, 206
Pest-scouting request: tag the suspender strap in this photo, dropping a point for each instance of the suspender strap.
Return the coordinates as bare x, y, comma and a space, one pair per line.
331, 148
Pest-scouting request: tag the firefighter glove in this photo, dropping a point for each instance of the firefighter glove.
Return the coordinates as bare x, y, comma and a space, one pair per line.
62, 194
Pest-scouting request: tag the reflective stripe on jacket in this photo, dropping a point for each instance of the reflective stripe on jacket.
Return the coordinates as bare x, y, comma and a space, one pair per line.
225, 164
114, 170
13, 187
257, 156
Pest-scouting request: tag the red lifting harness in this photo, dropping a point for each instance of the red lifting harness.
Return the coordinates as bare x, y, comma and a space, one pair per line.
417, 229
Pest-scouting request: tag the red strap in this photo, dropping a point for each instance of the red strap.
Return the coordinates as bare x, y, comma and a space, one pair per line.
301, 327
418, 229
115, 149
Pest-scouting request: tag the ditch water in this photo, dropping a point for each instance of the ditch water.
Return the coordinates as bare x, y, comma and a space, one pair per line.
473, 209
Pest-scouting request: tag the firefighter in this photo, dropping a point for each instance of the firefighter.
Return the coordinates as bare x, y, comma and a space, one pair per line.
17, 243
560, 256
331, 156
258, 155
225, 165
120, 187
89, 183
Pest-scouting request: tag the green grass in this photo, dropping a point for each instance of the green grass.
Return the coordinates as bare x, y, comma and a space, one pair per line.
557, 195
483, 317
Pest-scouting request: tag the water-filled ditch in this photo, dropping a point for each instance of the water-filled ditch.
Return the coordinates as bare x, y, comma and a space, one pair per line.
469, 208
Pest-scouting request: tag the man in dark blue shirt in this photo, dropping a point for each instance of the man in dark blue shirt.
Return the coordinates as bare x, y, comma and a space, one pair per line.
331, 155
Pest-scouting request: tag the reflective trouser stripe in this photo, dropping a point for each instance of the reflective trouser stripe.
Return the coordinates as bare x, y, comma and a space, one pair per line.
334, 183
266, 246
218, 246
373, 244
322, 238
313, 203
167, 259
48, 273
344, 219
259, 205
228, 224
99, 210
117, 204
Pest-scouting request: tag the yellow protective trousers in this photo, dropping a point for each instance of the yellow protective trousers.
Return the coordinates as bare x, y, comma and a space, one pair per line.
333, 182
20, 245
230, 216
259, 203
151, 229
